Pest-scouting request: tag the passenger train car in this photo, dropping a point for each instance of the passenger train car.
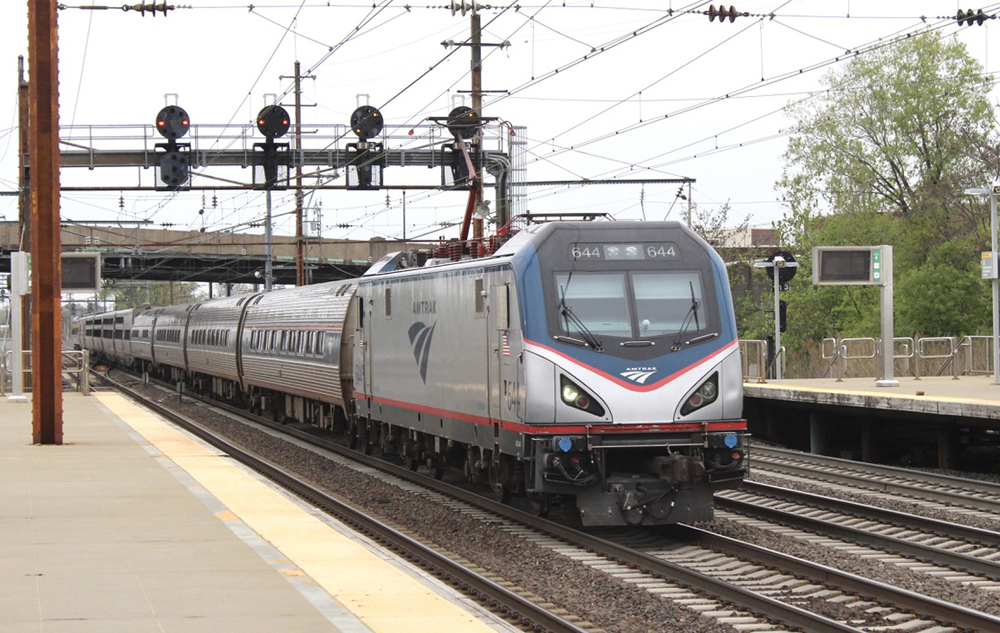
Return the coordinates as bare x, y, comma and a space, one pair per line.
592, 363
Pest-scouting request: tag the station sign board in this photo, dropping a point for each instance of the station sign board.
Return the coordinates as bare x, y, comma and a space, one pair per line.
81, 272
988, 266
849, 266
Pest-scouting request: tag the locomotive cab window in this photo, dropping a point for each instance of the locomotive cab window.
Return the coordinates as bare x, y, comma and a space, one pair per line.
625, 296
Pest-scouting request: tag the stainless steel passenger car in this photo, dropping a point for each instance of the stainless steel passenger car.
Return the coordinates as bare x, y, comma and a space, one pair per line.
291, 344
212, 343
169, 336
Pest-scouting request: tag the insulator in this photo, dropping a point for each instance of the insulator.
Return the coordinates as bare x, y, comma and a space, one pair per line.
162, 7
722, 13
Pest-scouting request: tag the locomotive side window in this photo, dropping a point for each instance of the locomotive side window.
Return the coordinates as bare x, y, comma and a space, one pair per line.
478, 292
502, 307
388, 302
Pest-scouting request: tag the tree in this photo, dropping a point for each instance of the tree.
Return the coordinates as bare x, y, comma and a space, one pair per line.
882, 157
132, 294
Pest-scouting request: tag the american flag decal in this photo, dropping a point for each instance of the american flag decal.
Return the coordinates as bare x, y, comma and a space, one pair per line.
504, 346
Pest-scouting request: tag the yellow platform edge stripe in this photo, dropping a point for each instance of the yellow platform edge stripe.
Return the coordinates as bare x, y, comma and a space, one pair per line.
381, 595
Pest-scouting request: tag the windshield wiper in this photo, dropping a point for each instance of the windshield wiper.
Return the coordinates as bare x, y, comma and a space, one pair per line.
691, 316
587, 335
570, 317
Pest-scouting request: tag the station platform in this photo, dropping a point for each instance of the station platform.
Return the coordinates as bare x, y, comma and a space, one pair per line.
935, 421
134, 526
969, 396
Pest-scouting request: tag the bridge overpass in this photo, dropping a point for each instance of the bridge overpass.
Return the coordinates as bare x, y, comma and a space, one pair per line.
130, 252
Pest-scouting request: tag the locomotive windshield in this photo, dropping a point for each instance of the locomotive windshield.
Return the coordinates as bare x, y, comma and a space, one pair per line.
630, 304
631, 297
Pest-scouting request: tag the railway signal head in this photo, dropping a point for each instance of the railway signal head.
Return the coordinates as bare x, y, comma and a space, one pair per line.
174, 169
172, 122
273, 121
463, 122
366, 122
781, 259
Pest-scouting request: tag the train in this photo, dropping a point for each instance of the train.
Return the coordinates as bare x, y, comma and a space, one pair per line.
586, 364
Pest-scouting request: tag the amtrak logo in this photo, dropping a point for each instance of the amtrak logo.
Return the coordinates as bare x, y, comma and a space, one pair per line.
420, 339
638, 374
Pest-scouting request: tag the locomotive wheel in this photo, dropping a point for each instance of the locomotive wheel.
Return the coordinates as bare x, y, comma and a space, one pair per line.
501, 492
366, 441
498, 483
541, 505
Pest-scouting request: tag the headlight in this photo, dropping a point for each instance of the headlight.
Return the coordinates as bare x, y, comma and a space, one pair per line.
577, 398
705, 394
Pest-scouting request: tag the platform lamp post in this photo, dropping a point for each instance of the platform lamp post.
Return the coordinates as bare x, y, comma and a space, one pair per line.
992, 273
781, 267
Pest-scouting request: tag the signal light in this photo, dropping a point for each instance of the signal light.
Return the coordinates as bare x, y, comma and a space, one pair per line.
366, 122
174, 167
463, 122
172, 122
722, 13
969, 17
273, 121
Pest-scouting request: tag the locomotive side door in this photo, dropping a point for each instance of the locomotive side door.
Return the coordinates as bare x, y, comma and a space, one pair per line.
506, 401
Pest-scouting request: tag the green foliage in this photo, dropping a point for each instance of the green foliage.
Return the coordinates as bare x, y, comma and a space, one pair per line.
132, 294
882, 157
943, 297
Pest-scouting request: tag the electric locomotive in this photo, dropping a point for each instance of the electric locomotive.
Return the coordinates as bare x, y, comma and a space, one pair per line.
594, 363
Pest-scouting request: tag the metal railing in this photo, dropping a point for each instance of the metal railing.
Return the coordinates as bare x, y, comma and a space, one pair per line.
75, 364
948, 347
753, 354
969, 355
981, 362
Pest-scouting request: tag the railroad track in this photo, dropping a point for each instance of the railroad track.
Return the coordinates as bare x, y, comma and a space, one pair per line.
972, 555
954, 494
735, 582
510, 604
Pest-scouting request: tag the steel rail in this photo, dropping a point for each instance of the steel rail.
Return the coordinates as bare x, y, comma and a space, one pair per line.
518, 608
943, 611
927, 553
904, 519
969, 495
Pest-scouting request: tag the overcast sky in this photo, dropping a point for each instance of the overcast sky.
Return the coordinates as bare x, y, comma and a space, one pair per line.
640, 93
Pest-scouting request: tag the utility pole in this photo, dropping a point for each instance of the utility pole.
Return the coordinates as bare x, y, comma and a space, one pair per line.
477, 106
43, 135
476, 45
300, 274
300, 269
24, 188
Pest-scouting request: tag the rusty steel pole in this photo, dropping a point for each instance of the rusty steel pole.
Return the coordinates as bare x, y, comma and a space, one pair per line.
43, 145
477, 105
